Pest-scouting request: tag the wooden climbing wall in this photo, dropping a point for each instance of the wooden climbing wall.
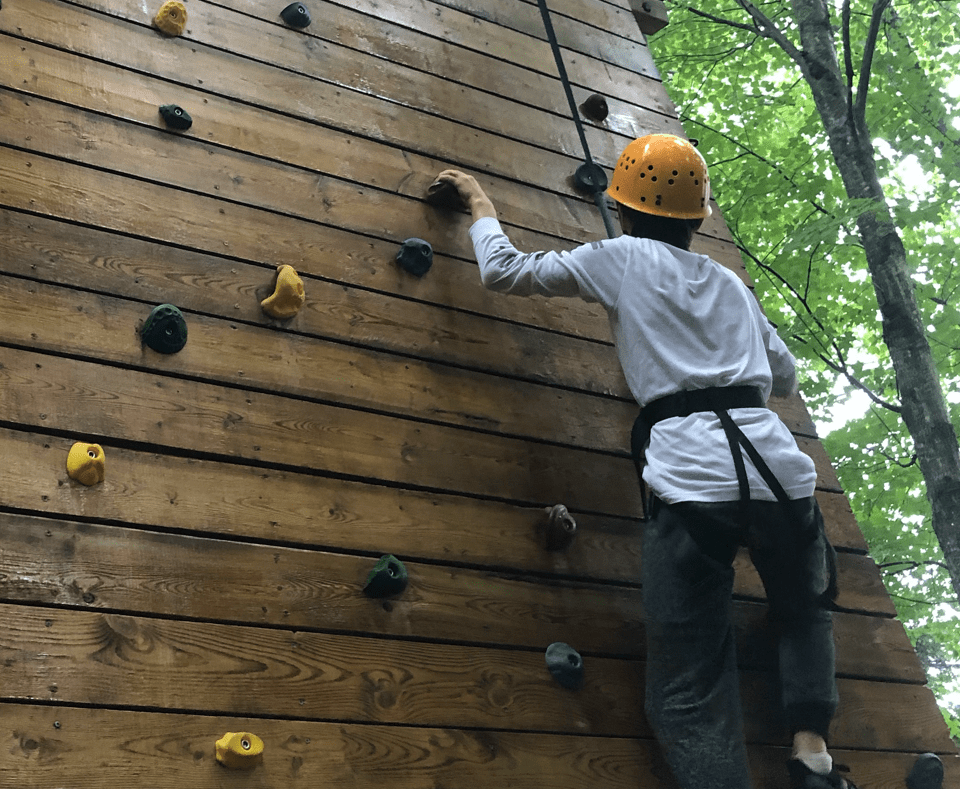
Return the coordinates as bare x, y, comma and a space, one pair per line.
213, 582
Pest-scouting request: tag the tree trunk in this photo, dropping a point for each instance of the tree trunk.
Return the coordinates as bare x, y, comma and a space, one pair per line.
924, 409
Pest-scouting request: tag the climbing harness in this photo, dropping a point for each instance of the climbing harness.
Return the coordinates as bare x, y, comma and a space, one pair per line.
589, 176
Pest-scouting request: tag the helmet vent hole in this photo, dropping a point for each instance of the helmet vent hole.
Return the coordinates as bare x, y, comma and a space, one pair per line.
670, 181
627, 167
633, 161
675, 172
649, 166
643, 175
643, 199
653, 178
696, 181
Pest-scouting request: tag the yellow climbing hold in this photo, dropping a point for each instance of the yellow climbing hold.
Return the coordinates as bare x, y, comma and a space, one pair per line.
239, 750
171, 18
85, 463
288, 297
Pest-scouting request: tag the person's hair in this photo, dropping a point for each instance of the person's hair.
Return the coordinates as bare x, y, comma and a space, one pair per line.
676, 232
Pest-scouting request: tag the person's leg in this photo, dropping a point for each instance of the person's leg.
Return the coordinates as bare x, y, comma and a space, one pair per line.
693, 694
797, 567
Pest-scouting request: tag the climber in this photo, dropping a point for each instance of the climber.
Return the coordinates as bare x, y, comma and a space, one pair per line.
701, 360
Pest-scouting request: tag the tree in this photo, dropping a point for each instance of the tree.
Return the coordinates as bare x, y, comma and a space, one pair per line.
808, 156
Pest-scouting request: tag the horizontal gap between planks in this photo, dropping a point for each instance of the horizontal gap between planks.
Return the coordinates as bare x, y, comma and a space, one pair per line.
189, 454
504, 572
575, 159
291, 718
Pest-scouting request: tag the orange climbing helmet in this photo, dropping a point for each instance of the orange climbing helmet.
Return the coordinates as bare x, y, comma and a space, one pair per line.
662, 174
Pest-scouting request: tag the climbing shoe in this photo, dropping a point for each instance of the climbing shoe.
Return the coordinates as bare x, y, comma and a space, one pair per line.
802, 777
927, 772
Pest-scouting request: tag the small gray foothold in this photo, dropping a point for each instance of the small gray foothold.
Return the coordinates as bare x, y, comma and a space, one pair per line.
565, 664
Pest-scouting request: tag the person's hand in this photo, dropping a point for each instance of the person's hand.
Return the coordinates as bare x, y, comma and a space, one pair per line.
474, 198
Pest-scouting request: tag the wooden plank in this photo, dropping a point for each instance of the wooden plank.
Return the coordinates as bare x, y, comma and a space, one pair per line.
282, 90
138, 572
97, 400
55, 188
579, 39
286, 362
80, 657
218, 499
95, 747
255, 35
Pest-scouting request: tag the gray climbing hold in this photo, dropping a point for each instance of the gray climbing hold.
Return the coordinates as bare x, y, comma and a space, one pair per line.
165, 330
595, 107
176, 117
388, 577
565, 664
926, 773
443, 194
590, 178
296, 15
415, 256
561, 528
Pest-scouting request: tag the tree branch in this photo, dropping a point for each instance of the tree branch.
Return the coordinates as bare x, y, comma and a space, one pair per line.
767, 29
863, 86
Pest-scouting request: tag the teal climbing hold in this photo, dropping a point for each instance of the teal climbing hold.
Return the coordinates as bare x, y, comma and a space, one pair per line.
415, 256
176, 117
388, 577
296, 15
165, 330
565, 664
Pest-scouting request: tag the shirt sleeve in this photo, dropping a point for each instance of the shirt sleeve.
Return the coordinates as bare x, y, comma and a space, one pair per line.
589, 271
782, 364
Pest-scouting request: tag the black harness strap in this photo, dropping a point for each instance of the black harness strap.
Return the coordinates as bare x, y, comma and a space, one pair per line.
719, 400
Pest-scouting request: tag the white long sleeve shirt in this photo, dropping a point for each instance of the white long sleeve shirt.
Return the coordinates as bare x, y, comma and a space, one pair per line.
680, 321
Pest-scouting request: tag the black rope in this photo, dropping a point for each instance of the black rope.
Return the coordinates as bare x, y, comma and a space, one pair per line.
598, 196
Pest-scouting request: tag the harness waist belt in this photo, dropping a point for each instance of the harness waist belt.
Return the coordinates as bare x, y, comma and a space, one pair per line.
714, 398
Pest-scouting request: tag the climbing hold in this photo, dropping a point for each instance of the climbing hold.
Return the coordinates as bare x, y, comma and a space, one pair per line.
171, 18
590, 178
595, 107
415, 256
239, 750
565, 664
443, 194
388, 577
561, 528
926, 773
651, 15
288, 296
176, 117
85, 463
296, 15
165, 330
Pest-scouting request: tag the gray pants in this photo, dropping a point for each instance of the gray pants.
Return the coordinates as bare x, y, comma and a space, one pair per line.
692, 696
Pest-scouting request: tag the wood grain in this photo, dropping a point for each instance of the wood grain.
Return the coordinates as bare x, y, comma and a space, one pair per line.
108, 567
101, 748
109, 659
97, 400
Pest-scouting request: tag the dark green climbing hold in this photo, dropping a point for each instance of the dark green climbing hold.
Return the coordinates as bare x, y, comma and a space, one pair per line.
566, 665
176, 117
415, 256
590, 178
388, 577
165, 330
926, 773
296, 15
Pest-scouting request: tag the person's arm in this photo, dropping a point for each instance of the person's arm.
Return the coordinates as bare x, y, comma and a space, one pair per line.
587, 272
473, 196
